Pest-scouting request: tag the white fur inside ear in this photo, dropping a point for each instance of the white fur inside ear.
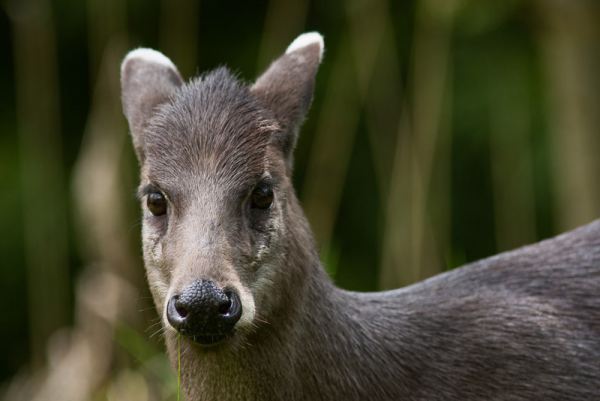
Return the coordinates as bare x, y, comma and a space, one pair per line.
150, 56
306, 39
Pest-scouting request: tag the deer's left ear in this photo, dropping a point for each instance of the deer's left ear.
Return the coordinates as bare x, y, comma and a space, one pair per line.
286, 88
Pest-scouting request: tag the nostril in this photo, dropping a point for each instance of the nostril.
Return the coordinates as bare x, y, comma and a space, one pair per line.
233, 309
176, 312
225, 306
181, 309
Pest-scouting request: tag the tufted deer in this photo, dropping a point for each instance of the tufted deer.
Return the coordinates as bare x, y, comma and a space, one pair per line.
233, 267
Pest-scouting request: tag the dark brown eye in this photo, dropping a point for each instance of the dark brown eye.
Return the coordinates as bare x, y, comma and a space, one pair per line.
157, 204
262, 196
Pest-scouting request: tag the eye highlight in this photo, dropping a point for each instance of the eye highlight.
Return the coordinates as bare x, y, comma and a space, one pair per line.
262, 196
156, 203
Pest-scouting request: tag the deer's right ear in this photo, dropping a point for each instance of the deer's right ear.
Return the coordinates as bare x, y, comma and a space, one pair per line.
148, 78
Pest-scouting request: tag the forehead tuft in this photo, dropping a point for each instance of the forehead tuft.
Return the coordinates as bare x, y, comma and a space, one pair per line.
212, 125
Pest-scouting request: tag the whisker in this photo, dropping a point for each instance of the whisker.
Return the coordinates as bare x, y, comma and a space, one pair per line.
161, 330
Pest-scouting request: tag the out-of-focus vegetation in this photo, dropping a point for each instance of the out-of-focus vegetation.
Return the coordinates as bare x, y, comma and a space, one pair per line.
442, 131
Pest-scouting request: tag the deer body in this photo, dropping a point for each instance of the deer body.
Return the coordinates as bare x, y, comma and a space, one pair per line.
232, 265
523, 325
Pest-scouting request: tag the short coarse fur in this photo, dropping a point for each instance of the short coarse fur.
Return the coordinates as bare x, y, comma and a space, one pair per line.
523, 325
214, 125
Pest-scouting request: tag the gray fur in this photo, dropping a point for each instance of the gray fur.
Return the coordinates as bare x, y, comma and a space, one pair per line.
286, 88
523, 325
140, 99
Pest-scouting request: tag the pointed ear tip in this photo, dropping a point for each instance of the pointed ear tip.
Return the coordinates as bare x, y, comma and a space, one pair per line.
149, 56
306, 39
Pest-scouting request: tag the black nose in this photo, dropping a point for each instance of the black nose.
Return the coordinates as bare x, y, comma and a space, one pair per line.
204, 312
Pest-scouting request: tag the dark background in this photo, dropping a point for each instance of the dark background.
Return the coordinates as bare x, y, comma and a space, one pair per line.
442, 131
